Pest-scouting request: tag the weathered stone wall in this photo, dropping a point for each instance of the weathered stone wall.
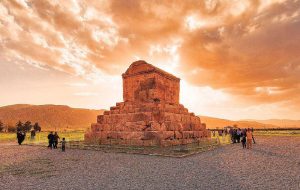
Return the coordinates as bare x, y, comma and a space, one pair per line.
150, 87
144, 82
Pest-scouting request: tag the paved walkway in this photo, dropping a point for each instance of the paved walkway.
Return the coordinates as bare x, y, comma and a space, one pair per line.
274, 163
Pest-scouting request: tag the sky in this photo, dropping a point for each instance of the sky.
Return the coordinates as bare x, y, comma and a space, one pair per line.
237, 59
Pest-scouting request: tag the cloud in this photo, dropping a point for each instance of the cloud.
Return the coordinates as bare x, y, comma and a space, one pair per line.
86, 94
77, 84
248, 49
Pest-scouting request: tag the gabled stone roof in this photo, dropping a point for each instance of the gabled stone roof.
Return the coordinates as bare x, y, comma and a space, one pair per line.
142, 67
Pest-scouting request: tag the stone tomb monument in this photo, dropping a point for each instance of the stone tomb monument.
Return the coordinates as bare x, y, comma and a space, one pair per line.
150, 114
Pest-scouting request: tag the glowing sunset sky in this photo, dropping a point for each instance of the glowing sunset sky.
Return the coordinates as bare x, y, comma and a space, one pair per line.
237, 59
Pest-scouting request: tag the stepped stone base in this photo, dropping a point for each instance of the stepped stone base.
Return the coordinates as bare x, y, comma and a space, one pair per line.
136, 124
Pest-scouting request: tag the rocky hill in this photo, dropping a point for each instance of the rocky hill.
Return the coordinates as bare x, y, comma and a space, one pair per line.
213, 123
50, 117
282, 123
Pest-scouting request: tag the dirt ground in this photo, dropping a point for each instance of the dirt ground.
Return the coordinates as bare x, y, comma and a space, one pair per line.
273, 163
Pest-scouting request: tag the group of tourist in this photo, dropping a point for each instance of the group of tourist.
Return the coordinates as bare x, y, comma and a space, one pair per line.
53, 141
22, 134
242, 135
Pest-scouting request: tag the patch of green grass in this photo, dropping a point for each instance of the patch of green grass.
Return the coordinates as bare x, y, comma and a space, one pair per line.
42, 137
222, 140
278, 133
7, 137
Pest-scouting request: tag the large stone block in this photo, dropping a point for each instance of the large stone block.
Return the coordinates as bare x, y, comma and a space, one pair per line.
100, 119
144, 116
158, 115
188, 134
196, 134
120, 127
187, 127
163, 127
168, 135
93, 125
103, 134
152, 126
152, 135
178, 135
133, 126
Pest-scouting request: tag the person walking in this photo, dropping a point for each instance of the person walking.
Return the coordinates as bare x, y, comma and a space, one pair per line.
249, 138
51, 140
55, 140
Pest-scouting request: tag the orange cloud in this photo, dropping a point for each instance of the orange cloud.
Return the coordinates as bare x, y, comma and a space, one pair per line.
249, 49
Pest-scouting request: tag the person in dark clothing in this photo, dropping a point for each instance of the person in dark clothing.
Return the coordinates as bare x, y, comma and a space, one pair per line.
55, 140
220, 132
32, 134
234, 136
231, 135
21, 137
244, 132
51, 140
238, 135
243, 140
63, 145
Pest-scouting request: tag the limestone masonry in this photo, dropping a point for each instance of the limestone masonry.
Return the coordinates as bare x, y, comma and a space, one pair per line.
150, 114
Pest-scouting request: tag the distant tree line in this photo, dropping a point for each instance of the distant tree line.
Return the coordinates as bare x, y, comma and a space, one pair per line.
26, 127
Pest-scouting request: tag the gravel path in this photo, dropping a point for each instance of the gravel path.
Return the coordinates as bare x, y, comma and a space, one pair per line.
274, 163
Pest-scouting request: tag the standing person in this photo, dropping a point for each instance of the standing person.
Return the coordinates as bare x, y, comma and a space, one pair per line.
243, 139
234, 135
221, 132
20, 137
63, 145
253, 136
50, 139
32, 134
55, 140
238, 135
249, 138
23, 135
231, 134
244, 132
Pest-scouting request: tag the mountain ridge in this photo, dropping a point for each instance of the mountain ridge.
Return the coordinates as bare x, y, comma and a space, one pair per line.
50, 116
63, 117
213, 123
